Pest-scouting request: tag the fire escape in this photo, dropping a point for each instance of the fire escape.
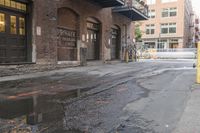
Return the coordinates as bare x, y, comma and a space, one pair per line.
135, 10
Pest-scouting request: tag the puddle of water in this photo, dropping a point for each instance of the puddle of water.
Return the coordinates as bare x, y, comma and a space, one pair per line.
41, 111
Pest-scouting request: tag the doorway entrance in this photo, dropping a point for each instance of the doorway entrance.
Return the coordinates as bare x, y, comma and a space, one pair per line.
93, 44
115, 45
67, 34
13, 34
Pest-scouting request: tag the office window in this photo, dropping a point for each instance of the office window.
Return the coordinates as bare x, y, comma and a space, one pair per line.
151, 2
168, 28
167, 1
165, 12
164, 28
169, 12
152, 13
150, 29
172, 27
172, 12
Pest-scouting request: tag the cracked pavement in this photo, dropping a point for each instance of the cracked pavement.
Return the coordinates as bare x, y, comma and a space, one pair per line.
143, 97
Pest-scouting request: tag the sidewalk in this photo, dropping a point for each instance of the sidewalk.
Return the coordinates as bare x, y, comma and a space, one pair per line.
190, 120
39, 69
10, 70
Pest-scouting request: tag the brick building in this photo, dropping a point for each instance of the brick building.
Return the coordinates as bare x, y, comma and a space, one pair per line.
64, 31
169, 25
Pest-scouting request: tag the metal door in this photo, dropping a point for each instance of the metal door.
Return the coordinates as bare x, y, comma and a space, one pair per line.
12, 37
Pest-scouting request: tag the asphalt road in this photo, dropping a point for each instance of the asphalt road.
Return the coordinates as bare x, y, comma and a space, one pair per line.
145, 97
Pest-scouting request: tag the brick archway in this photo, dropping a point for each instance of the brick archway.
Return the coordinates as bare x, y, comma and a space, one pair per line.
93, 38
68, 23
115, 42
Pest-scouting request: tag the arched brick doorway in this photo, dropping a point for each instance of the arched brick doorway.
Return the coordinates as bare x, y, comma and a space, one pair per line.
115, 45
68, 21
93, 39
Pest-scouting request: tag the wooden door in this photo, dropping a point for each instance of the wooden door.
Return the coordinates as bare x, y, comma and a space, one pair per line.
115, 44
12, 37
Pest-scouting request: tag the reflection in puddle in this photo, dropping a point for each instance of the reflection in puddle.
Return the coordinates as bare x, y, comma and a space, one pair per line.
38, 113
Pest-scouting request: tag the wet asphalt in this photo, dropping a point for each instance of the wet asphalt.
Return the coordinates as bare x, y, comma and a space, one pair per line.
145, 97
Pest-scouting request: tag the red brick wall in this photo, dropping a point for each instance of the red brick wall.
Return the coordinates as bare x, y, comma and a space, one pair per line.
45, 16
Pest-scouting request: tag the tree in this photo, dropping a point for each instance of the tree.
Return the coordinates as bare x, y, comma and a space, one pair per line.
138, 33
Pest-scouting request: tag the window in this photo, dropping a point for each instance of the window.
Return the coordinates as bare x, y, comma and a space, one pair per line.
152, 14
167, 1
162, 44
164, 28
21, 26
172, 27
165, 13
18, 6
7, 2
172, 12
169, 12
2, 2
168, 28
150, 44
150, 29
151, 2
2, 22
13, 4
13, 25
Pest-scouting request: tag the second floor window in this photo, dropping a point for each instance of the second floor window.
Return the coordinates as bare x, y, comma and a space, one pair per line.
151, 2
152, 13
172, 12
169, 12
150, 29
168, 28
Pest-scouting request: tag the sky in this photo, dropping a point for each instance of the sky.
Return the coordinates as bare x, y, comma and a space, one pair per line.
196, 5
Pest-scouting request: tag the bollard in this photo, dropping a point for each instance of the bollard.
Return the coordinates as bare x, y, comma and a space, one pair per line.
198, 63
133, 56
126, 56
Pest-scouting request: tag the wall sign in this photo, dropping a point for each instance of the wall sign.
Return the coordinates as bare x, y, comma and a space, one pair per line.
67, 38
83, 37
38, 31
